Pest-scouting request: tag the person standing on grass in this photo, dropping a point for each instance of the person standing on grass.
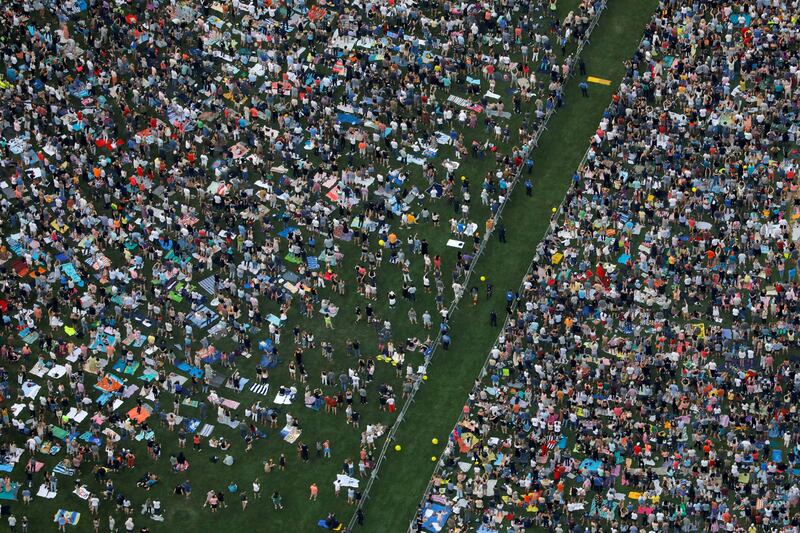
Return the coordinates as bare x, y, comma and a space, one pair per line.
326, 449
277, 501
313, 491
211, 501
427, 323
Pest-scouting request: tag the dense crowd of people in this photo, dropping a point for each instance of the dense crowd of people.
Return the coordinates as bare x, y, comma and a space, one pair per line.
648, 378
193, 191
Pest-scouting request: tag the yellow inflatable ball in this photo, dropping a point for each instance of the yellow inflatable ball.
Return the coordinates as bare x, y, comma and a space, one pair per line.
381, 243
425, 377
397, 447
433, 458
434, 441
483, 278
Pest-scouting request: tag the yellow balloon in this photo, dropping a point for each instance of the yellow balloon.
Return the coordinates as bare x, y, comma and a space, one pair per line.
694, 189
397, 448
433, 458
425, 377
554, 210
434, 440
483, 278
463, 178
381, 243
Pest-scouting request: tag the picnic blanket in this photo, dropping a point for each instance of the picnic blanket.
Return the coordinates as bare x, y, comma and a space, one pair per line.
290, 434
284, 396
140, 414
110, 383
126, 368
45, 492
72, 517
435, 516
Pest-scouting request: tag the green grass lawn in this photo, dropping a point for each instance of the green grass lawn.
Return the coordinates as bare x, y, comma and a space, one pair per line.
404, 476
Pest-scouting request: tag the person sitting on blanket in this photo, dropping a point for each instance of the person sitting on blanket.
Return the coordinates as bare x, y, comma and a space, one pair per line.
181, 464
147, 481
220, 443
255, 433
331, 522
310, 397
213, 398
180, 389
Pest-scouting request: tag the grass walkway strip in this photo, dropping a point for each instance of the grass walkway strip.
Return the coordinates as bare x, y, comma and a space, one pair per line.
404, 475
